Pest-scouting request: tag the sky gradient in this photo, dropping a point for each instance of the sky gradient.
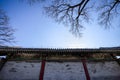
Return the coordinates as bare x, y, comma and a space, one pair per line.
34, 29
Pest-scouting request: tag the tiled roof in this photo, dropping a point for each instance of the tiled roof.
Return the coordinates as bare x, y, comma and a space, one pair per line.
77, 50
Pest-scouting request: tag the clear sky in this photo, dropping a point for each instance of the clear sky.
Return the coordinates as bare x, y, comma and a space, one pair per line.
34, 29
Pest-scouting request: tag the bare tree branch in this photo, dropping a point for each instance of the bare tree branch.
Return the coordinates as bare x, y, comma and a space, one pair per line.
107, 12
69, 14
74, 13
6, 32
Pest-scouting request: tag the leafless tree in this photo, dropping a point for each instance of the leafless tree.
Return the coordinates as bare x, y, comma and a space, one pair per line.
75, 13
109, 10
69, 13
6, 32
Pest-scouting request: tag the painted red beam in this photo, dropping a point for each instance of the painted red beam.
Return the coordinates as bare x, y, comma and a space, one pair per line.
42, 70
85, 69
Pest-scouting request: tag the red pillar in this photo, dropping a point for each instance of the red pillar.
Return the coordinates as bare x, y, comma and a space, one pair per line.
85, 69
42, 70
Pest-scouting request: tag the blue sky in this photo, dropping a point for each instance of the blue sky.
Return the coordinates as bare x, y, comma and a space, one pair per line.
35, 29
